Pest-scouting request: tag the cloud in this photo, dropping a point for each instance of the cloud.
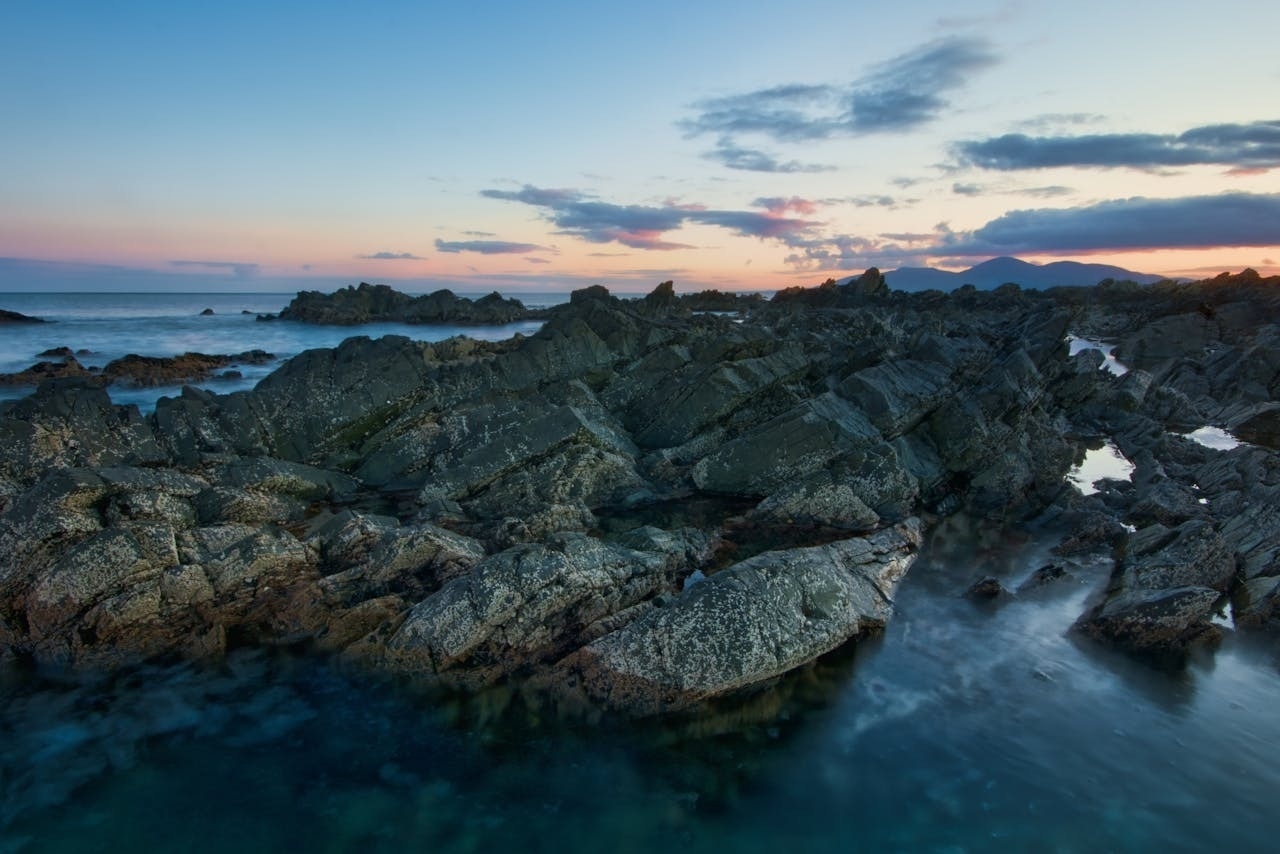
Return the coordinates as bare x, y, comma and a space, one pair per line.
779, 205
488, 247
1045, 121
967, 189
240, 269
1137, 224
1194, 222
1248, 147
644, 226
899, 95
732, 156
903, 93
391, 256
1052, 191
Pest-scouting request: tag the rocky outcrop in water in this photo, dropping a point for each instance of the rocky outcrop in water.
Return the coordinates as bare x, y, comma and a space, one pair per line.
134, 370
368, 303
454, 512
7, 316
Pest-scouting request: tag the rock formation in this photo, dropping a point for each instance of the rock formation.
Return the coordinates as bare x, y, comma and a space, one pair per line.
368, 303
454, 511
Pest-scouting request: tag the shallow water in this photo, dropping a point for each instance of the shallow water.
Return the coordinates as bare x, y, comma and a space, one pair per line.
110, 326
1110, 363
1102, 463
966, 727
1214, 438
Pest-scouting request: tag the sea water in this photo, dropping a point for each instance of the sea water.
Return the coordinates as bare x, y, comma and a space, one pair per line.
966, 727
109, 326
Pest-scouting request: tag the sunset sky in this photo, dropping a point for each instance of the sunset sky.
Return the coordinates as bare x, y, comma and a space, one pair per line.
543, 146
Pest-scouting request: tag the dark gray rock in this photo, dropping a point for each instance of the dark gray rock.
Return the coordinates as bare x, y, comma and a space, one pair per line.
526, 604
744, 625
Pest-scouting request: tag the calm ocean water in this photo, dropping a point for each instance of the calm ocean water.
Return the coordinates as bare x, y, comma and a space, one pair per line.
113, 325
964, 728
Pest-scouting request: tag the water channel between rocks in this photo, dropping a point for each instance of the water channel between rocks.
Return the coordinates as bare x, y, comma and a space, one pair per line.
965, 727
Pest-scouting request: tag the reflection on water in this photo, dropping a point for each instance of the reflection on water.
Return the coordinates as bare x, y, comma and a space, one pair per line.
962, 728
1109, 363
1103, 463
1214, 437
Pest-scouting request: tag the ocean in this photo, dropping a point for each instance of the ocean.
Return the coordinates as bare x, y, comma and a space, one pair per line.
965, 727
112, 325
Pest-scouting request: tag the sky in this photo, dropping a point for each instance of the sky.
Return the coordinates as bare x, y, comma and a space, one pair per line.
532, 147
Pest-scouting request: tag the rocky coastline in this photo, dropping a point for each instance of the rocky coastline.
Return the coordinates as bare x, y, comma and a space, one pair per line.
451, 512
134, 370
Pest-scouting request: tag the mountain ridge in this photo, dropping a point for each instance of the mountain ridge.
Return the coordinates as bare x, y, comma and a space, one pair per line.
994, 272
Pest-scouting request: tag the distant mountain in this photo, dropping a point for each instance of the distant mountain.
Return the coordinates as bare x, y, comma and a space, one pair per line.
998, 271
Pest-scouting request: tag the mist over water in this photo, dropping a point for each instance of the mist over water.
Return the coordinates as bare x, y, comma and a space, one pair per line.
110, 326
965, 727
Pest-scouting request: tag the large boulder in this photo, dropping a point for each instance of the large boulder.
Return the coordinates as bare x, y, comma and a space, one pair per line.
745, 625
1165, 590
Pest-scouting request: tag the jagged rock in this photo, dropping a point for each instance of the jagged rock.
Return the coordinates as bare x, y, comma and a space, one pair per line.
986, 589
1260, 425
69, 423
1256, 605
148, 371
522, 605
744, 625
7, 316
824, 498
1045, 576
364, 557
1164, 591
1167, 338
381, 304
787, 448
897, 395
41, 371
1159, 621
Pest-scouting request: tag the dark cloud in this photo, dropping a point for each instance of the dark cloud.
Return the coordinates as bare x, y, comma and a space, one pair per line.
1049, 192
390, 256
967, 189
488, 247
899, 95
1044, 121
794, 113
903, 93
240, 269
732, 156
644, 226
1247, 147
873, 201
1195, 222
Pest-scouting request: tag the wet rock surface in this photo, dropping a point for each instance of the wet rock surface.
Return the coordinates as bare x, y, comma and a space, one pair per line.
135, 370
465, 512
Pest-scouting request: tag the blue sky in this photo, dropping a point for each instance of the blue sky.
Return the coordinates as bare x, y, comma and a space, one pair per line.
542, 146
